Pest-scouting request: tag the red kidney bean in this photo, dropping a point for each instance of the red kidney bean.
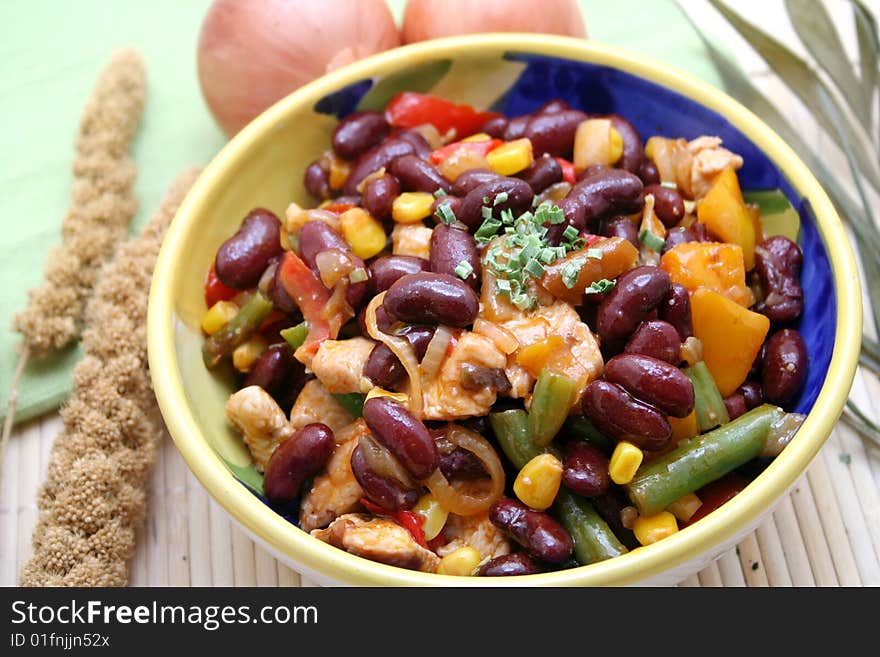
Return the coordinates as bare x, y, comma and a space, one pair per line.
272, 370
668, 204
495, 126
419, 337
553, 133
735, 405
384, 321
778, 262
317, 236
542, 536
358, 132
386, 492
553, 106
657, 339
461, 464
430, 298
452, 246
242, 259
386, 270
478, 377
752, 393
637, 292
649, 173
676, 236
654, 381
519, 199
381, 155
420, 145
405, 436
785, 366
509, 565
633, 153
676, 309
702, 233
471, 179
379, 195
621, 226
317, 181
451, 201
601, 192
585, 469
415, 174
619, 415
295, 460
516, 127
609, 507
276, 292
545, 171
383, 368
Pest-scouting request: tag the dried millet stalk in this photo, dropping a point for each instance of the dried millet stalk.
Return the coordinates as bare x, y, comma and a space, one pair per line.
102, 206
94, 496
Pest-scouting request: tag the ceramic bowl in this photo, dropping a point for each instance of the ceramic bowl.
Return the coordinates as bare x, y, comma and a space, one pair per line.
512, 73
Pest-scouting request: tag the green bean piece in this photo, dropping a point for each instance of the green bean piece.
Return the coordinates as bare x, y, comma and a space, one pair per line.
593, 539
245, 323
701, 460
512, 433
353, 402
552, 399
708, 403
578, 426
296, 335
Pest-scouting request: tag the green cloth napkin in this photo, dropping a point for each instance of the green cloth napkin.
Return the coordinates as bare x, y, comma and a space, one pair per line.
50, 57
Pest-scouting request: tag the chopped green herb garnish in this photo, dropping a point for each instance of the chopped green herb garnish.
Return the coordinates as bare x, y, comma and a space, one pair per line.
571, 271
464, 269
595, 253
485, 200
499, 199
535, 268
445, 214
547, 213
440, 193
570, 233
651, 241
669, 184
488, 230
358, 275
296, 335
600, 287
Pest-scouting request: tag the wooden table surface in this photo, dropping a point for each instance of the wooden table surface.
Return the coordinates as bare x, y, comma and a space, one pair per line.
825, 533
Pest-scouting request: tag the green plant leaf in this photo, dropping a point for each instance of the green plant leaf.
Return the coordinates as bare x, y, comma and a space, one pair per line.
804, 82
817, 32
869, 48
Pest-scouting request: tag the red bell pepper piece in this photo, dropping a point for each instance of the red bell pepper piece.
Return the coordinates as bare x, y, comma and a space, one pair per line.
410, 109
568, 174
215, 290
717, 493
409, 520
311, 296
338, 208
481, 147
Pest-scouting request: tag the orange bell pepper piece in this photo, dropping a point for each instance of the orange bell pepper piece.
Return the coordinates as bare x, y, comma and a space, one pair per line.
725, 213
711, 265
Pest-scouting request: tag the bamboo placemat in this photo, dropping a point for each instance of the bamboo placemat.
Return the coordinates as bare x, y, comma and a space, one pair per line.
826, 532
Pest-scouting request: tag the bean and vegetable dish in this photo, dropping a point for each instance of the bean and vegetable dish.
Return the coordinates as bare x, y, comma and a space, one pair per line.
506, 345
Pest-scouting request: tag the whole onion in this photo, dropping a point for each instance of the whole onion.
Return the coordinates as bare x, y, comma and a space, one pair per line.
252, 53
431, 19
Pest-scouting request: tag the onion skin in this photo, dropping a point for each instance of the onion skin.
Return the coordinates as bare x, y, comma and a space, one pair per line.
432, 19
252, 53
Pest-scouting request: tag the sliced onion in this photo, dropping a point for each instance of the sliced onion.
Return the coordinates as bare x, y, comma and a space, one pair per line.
461, 160
431, 134
401, 348
468, 498
503, 339
337, 311
333, 266
692, 350
435, 354
383, 463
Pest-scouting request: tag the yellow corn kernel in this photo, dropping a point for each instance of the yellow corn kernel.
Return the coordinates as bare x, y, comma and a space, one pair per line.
410, 207
596, 141
376, 391
650, 529
247, 353
685, 507
363, 232
511, 158
538, 482
218, 316
480, 136
625, 460
434, 516
462, 562
338, 171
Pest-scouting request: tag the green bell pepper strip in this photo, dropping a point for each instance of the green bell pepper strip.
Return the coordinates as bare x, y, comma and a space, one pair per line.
708, 403
237, 330
512, 433
593, 539
552, 399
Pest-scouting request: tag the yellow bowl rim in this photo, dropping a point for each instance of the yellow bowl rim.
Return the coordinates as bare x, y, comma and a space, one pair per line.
636, 566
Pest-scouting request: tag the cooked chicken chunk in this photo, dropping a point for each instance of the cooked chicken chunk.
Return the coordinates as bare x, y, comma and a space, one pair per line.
412, 240
339, 364
444, 397
379, 539
335, 491
260, 420
585, 362
477, 532
710, 159
316, 404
